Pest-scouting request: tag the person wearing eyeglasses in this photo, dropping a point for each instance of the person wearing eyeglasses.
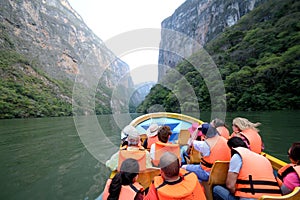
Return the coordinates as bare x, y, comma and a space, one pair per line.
289, 175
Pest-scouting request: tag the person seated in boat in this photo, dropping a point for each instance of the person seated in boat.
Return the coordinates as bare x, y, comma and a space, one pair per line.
289, 175
124, 184
247, 130
213, 148
124, 134
195, 134
133, 140
151, 136
250, 175
221, 127
174, 183
162, 145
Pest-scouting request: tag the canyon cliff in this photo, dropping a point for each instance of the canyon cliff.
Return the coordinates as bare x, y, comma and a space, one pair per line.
46, 45
202, 21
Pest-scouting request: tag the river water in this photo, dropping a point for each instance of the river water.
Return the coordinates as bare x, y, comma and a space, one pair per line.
49, 158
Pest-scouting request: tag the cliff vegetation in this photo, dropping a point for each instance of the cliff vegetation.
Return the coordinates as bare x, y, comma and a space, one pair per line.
259, 61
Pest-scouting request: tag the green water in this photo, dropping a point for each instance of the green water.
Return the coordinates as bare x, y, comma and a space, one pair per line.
46, 158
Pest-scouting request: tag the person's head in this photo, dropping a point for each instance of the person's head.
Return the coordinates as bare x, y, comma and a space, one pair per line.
294, 153
152, 130
236, 142
208, 130
217, 123
169, 165
127, 175
240, 124
164, 133
133, 138
126, 131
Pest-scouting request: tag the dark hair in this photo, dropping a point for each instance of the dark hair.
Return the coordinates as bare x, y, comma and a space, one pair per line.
163, 134
129, 170
295, 152
169, 164
236, 142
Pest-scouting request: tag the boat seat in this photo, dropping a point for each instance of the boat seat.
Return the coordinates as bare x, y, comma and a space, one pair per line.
195, 156
183, 137
217, 176
145, 177
295, 195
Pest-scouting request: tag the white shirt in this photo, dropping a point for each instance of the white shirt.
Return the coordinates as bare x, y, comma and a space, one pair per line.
202, 147
152, 151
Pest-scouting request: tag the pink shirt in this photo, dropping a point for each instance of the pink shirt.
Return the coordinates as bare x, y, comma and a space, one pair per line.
291, 180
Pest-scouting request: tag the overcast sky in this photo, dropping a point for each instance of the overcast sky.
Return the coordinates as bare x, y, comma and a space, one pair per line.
109, 18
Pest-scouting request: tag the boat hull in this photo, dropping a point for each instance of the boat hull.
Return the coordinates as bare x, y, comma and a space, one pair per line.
178, 122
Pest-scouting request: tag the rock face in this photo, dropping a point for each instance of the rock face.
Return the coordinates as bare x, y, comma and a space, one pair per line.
51, 34
201, 20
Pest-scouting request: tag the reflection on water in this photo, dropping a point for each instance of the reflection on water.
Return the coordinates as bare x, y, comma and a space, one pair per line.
46, 159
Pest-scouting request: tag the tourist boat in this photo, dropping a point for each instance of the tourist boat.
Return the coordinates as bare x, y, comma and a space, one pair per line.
179, 125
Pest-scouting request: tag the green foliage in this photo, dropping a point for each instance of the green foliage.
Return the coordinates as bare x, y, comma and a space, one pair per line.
261, 71
26, 95
258, 59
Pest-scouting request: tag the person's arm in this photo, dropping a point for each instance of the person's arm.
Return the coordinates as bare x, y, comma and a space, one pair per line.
202, 147
231, 181
152, 193
112, 163
233, 172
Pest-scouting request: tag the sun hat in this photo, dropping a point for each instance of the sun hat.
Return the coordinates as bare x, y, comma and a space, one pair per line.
152, 130
129, 130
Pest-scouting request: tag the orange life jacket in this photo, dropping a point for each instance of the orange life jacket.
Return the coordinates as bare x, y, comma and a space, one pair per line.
128, 192
161, 148
220, 151
254, 139
256, 176
223, 132
139, 155
284, 171
187, 187
151, 140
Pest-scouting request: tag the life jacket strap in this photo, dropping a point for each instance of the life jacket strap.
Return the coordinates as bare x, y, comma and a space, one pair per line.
253, 190
253, 182
173, 182
206, 164
286, 172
